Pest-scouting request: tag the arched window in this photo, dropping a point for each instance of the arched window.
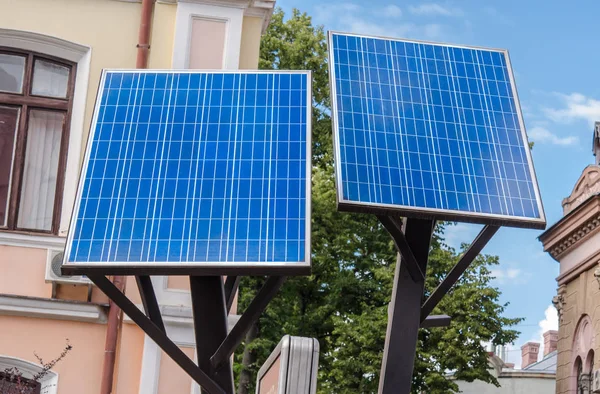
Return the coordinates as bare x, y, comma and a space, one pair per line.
47, 384
36, 97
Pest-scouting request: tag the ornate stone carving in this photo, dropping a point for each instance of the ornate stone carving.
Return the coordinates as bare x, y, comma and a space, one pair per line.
575, 236
596, 143
597, 274
587, 185
559, 301
584, 383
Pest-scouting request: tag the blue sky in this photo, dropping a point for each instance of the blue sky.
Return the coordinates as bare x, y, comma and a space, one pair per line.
555, 59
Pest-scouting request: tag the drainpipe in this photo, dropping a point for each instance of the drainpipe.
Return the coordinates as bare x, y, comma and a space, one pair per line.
144, 35
115, 320
113, 326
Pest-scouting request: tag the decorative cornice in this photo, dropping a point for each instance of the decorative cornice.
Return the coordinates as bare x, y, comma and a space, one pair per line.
31, 240
48, 308
577, 225
67, 49
575, 236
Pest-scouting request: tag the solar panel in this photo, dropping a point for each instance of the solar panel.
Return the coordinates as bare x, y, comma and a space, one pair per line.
430, 130
201, 170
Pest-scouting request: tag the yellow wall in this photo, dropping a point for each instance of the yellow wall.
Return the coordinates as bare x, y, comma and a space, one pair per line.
250, 45
109, 27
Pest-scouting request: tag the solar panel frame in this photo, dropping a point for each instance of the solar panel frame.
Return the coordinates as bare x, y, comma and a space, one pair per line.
200, 267
421, 212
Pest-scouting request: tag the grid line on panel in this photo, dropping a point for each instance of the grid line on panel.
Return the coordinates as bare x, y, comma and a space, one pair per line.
429, 126
195, 167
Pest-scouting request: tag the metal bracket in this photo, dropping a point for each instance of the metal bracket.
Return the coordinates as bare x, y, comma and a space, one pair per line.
251, 314
149, 301
158, 335
211, 301
394, 226
405, 307
407, 312
454, 275
436, 321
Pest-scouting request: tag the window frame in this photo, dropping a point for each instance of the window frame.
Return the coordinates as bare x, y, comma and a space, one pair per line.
26, 102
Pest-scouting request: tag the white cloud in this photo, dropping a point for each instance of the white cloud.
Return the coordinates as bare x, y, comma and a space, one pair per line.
513, 276
434, 9
539, 134
576, 106
550, 321
391, 11
387, 21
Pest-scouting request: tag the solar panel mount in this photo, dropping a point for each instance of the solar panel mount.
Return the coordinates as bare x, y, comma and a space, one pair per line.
430, 130
191, 171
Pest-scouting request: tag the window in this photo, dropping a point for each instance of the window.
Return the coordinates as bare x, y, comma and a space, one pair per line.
36, 94
13, 384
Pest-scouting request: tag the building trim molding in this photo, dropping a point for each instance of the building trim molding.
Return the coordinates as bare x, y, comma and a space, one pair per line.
581, 232
577, 270
573, 228
26, 240
150, 367
48, 308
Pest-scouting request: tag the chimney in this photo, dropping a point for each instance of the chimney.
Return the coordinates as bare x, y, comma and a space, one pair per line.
550, 342
529, 353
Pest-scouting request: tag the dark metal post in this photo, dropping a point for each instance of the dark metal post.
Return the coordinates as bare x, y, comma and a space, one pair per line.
404, 317
149, 301
210, 324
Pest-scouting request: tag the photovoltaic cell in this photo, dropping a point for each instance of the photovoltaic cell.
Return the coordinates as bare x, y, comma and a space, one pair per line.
430, 129
196, 167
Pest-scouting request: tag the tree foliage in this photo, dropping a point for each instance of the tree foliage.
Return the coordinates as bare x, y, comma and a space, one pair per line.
344, 302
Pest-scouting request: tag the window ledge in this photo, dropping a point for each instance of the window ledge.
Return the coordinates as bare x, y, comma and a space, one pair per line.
30, 240
48, 308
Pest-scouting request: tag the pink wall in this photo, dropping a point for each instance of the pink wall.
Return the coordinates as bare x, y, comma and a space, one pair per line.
17, 263
129, 359
79, 372
173, 379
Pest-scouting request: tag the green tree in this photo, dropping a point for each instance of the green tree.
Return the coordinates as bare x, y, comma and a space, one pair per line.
343, 303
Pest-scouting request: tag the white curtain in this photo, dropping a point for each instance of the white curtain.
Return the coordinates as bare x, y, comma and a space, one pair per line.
40, 170
49, 79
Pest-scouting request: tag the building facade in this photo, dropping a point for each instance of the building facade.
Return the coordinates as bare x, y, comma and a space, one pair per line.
51, 57
574, 241
532, 378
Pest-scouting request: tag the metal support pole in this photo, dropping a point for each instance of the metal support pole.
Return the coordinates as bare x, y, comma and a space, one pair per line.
405, 312
210, 324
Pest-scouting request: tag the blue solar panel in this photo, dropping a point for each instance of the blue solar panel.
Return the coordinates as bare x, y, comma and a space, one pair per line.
430, 130
189, 168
